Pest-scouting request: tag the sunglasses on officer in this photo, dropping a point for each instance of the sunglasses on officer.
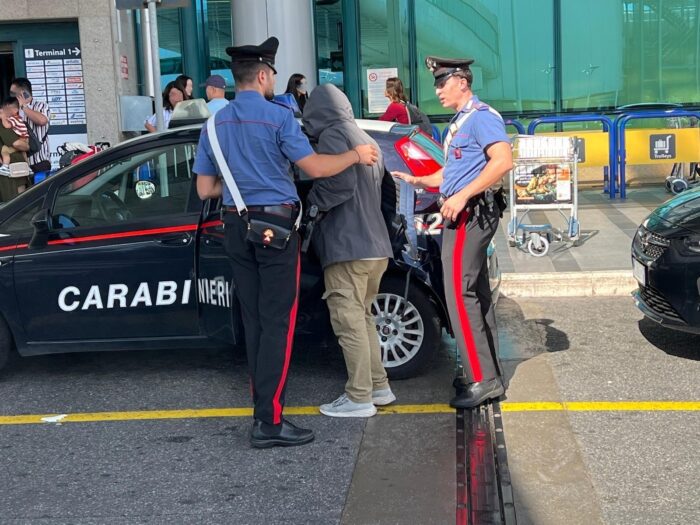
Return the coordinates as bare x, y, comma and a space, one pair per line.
440, 84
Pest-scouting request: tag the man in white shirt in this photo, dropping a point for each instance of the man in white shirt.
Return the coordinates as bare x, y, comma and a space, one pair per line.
215, 93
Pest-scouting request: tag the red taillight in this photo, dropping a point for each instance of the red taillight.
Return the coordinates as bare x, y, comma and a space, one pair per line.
418, 161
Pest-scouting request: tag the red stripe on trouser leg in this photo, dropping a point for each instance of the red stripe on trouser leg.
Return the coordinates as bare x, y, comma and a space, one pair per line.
461, 310
276, 406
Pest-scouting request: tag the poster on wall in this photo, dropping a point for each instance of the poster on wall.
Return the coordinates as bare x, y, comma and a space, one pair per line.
56, 74
376, 84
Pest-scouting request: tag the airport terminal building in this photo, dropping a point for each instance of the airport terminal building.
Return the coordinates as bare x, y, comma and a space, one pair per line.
532, 57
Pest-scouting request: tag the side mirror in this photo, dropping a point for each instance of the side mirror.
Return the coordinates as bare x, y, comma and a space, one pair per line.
42, 224
41, 221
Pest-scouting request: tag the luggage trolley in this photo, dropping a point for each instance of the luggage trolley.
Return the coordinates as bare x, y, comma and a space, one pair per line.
544, 177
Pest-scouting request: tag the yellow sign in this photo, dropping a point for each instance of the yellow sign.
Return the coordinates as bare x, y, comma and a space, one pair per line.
662, 146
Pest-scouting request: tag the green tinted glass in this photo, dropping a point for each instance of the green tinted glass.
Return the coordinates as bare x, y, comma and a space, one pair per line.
511, 42
617, 52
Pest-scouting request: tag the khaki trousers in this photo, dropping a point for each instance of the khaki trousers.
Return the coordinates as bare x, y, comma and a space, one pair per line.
350, 289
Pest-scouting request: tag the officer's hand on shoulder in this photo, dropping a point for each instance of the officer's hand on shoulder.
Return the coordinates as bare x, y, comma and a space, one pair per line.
367, 154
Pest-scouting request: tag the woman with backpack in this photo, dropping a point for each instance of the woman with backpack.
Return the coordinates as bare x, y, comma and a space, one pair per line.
397, 110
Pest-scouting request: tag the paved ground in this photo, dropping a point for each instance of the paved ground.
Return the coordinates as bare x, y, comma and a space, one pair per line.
573, 464
607, 229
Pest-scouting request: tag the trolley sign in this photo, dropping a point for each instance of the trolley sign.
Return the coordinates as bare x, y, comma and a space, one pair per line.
544, 177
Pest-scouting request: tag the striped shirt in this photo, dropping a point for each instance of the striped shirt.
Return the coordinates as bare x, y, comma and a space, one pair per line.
19, 127
41, 132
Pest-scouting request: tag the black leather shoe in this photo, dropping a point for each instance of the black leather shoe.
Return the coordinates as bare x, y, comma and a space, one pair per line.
472, 395
286, 434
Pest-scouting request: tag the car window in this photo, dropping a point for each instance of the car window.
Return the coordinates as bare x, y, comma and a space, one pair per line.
21, 222
148, 184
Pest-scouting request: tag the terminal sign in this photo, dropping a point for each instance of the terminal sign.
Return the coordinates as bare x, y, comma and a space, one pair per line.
56, 74
662, 146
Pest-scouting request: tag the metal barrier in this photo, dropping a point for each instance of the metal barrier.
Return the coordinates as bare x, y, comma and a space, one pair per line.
609, 170
661, 146
516, 124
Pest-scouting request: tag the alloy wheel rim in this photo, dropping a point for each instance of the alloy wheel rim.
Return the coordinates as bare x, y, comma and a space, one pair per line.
399, 327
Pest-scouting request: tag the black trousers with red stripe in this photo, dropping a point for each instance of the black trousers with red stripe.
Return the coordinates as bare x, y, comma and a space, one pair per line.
267, 286
468, 294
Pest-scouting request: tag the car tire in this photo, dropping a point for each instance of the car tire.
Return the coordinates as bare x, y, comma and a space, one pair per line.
6, 343
408, 349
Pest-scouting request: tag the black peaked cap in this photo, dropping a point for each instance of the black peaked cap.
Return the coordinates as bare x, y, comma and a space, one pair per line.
264, 53
444, 67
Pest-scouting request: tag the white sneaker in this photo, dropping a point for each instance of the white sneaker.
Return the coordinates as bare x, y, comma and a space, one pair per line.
383, 396
345, 407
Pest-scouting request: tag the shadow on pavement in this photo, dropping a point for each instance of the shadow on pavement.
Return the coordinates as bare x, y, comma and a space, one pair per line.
521, 339
673, 342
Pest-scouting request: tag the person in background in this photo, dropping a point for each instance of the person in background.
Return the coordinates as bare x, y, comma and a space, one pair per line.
352, 242
215, 90
184, 84
37, 116
10, 108
171, 97
297, 86
10, 187
396, 111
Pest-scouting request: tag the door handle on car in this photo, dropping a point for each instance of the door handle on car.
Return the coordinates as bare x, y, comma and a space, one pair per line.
175, 239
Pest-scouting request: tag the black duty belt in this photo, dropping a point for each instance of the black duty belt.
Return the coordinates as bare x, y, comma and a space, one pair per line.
288, 211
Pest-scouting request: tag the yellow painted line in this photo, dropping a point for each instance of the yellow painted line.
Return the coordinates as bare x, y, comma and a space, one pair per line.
537, 406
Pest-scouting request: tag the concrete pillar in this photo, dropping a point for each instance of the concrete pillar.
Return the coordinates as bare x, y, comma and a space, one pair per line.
291, 21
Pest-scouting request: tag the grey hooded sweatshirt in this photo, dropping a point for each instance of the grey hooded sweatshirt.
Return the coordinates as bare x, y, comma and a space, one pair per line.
353, 227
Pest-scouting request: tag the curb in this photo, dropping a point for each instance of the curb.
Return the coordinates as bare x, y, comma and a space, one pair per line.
568, 284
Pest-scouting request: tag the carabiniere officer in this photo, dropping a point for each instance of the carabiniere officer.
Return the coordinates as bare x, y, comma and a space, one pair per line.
259, 139
477, 156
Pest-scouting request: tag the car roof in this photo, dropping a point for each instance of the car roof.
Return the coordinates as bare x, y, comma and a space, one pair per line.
364, 124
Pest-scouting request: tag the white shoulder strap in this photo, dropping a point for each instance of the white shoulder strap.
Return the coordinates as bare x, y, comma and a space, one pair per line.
223, 167
454, 127
226, 172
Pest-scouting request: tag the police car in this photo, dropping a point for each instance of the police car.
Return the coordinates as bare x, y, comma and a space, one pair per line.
118, 253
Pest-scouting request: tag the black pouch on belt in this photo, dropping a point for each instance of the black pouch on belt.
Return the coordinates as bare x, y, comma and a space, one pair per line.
499, 197
269, 231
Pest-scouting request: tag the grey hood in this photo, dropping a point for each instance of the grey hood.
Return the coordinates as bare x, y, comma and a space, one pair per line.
353, 227
326, 105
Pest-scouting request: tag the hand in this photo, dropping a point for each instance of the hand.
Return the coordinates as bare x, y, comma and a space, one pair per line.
453, 206
367, 153
22, 101
403, 176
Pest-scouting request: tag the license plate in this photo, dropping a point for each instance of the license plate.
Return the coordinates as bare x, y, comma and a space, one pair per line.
639, 271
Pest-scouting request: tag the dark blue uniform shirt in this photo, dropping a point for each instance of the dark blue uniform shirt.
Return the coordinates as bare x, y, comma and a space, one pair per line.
466, 155
258, 139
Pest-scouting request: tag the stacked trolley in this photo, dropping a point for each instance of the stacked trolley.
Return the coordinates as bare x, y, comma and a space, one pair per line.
544, 177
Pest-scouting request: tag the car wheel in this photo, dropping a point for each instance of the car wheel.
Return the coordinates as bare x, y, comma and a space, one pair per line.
408, 330
6, 343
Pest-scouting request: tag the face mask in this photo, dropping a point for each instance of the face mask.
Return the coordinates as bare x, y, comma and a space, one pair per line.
302, 87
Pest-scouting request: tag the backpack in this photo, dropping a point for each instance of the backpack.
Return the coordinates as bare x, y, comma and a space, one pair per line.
420, 119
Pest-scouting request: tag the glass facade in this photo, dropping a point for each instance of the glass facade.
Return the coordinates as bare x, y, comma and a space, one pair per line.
533, 57
329, 43
170, 43
218, 18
